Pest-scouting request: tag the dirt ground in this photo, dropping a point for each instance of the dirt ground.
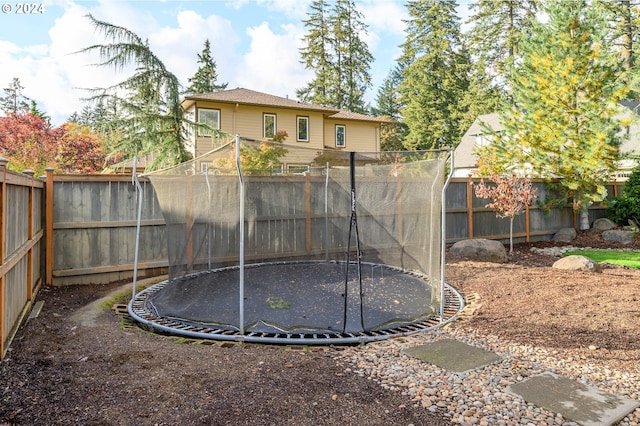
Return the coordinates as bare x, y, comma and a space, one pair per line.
60, 371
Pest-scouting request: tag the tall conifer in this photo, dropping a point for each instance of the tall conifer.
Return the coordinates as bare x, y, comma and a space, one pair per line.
566, 89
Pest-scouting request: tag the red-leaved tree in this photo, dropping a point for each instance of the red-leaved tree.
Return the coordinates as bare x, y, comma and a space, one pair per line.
510, 194
30, 142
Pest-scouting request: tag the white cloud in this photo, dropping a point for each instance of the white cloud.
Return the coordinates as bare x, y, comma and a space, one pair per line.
179, 46
295, 9
272, 64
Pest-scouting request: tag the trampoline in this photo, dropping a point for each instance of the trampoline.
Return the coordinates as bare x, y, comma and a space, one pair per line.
341, 248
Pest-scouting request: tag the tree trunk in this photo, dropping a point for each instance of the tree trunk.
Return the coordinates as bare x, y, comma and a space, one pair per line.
584, 219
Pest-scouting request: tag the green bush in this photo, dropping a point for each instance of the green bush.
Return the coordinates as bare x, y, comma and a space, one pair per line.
627, 206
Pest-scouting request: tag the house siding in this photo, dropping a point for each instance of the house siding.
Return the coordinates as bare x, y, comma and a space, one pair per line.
361, 136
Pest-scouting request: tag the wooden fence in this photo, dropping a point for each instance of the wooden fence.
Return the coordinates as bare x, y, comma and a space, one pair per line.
93, 222
468, 218
21, 237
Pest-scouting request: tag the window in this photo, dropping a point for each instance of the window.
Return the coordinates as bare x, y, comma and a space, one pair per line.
303, 129
269, 126
341, 136
209, 117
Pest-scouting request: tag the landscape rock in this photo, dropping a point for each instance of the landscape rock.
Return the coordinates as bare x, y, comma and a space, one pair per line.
619, 236
577, 263
604, 224
481, 249
565, 235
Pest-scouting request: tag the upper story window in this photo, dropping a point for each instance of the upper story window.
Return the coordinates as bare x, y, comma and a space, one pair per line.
303, 129
269, 127
341, 136
210, 117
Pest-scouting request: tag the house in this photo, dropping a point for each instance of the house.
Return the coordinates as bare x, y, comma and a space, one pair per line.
259, 116
466, 161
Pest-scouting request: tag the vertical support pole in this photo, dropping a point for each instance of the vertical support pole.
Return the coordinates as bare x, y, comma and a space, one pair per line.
30, 214
443, 234
470, 206
136, 249
307, 208
241, 254
326, 214
49, 227
206, 177
3, 224
399, 212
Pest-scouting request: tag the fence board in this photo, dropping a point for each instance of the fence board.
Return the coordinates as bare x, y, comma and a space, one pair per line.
20, 248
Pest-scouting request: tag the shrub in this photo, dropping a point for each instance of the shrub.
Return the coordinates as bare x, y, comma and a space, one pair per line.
626, 207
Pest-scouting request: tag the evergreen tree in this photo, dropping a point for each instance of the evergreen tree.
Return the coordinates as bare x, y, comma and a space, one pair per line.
13, 100
150, 119
566, 90
339, 57
205, 78
435, 75
623, 17
317, 55
388, 105
353, 59
497, 26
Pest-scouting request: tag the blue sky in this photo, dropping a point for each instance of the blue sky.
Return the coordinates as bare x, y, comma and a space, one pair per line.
254, 42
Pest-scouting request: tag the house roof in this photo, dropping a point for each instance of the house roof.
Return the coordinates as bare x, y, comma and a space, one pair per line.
464, 156
252, 97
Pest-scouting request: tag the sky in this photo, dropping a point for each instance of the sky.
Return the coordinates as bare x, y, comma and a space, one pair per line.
255, 44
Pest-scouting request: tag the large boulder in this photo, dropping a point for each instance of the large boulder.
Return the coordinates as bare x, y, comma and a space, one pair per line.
481, 249
619, 236
577, 263
604, 224
565, 235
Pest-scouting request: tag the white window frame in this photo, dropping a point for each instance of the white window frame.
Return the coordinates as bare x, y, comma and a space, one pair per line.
341, 143
299, 119
214, 124
264, 125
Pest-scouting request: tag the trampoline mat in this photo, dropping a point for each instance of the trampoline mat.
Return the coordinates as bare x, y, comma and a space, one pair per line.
297, 297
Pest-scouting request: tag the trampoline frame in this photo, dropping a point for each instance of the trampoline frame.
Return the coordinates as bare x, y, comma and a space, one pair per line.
452, 305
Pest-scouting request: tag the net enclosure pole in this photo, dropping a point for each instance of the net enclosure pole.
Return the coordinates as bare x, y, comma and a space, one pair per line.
206, 177
241, 236
136, 249
443, 232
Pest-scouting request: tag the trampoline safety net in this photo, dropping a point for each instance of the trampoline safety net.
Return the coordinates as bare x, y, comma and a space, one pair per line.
266, 237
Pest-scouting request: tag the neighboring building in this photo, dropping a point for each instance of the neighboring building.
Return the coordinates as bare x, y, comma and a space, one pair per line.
466, 161
260, 116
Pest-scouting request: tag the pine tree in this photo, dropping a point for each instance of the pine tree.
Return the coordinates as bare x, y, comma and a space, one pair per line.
388, 105
566, 90
150, 119
205, 78
623, 17
317, 55
497, 26
353, 59
435, 75
339, 57
13, 100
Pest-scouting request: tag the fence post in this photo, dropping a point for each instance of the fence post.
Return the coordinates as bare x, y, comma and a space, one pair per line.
48, 258
3, 215
30, 173
470, 206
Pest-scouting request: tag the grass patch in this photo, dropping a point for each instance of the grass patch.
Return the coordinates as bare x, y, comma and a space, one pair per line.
630, 259
278, 303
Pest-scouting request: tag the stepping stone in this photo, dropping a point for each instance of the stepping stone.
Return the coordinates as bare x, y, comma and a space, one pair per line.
580, 403
453, 355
